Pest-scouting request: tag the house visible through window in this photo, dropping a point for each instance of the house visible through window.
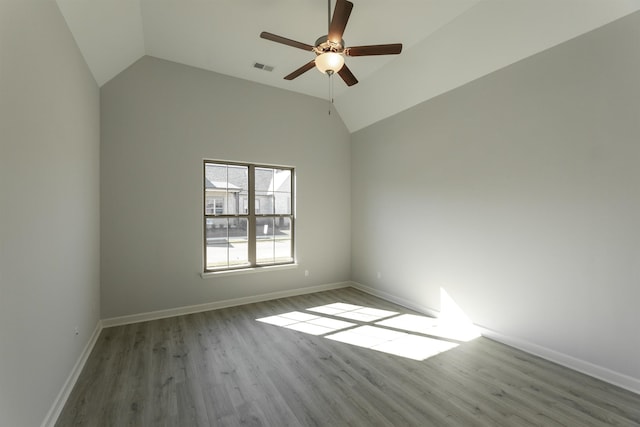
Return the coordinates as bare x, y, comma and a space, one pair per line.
248, 215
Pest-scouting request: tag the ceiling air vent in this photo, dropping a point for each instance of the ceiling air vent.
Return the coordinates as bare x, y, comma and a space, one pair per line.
263, 67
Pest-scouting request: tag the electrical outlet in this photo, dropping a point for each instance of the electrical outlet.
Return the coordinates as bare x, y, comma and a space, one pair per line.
379, 275
306, 273
76, 330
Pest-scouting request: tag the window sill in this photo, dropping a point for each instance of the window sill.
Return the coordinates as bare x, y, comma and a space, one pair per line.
250, 270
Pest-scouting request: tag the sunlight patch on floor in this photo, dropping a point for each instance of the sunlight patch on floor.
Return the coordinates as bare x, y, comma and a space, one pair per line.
407, 335
444, 328
353, 312
394, 342
307, 323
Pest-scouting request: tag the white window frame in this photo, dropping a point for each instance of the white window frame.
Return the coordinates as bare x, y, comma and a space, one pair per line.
251, 216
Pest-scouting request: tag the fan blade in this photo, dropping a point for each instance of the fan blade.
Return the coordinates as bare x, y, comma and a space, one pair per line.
347, 76
339, 21
284, 40
306, 67
377, 49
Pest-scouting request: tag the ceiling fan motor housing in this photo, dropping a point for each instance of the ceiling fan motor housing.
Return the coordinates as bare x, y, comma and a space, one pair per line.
324, 45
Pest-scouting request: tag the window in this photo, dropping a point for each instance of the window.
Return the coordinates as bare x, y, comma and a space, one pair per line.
248, 215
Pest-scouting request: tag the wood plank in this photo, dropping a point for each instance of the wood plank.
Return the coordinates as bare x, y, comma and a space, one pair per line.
224, 368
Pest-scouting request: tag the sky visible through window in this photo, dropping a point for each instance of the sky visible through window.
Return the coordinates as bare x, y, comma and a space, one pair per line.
406, 335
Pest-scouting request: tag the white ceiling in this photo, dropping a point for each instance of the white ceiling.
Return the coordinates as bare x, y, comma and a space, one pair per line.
447, 43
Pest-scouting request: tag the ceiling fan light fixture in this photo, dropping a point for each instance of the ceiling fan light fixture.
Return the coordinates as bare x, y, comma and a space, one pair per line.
330, 50
329, 62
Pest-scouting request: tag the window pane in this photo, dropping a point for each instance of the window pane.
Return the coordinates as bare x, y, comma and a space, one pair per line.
217, 242
264, 191
209, 206
243, 204
264, 203
227, 242
214, 172
264, 241
273, 240
282, 235
273, 191
238, 241
282, 181
238, 185
282, 191
264, 180
282, 202
224, 185
231, 205
238, 177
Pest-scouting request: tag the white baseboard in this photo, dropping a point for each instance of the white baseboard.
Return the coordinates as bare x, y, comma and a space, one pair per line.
179, 311
63, 395
596, 371
604, 374
396, 300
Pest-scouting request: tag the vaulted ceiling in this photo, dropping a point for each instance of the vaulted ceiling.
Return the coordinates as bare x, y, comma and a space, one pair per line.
447, 43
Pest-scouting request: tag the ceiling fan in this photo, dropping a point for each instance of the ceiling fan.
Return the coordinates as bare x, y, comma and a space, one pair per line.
330, 49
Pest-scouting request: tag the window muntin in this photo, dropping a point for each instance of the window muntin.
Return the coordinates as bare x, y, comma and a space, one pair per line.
248, 215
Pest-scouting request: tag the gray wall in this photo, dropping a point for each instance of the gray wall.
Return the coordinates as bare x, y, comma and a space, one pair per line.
519, 194
159, 120
49, 208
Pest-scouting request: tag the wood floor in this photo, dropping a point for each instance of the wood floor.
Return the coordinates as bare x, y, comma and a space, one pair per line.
224, 368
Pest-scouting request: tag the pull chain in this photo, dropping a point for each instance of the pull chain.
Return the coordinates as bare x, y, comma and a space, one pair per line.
331, 73
330, 92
